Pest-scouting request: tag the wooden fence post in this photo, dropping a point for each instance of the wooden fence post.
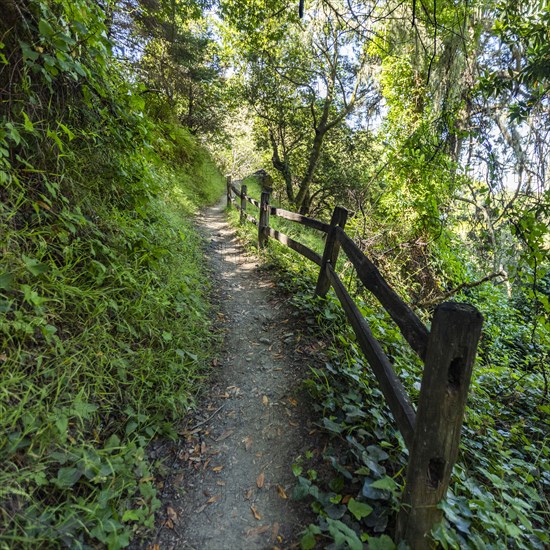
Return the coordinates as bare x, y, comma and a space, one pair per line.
244, 189
450, 355
332, 248
264, 218
228, 182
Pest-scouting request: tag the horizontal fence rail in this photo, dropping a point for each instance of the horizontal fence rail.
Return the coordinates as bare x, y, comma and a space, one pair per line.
432, 432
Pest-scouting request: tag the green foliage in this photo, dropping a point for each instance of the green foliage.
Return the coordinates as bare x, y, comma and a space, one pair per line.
499, 486
523, 32
104, 316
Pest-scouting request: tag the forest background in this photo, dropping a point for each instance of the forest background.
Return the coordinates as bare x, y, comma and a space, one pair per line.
428, 120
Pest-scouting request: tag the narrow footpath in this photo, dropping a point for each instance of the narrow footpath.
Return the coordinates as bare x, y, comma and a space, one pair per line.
229, 479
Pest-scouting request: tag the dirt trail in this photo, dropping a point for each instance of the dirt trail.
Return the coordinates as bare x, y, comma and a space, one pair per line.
229, 479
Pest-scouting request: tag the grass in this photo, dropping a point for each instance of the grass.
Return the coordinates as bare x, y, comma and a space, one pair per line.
106, 338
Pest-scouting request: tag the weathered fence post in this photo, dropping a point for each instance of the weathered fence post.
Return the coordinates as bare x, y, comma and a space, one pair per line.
243, 204
448, 367
332, 248
264, 218
228, 182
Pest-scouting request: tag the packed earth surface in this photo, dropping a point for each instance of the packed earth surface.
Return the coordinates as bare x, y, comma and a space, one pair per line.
228, 479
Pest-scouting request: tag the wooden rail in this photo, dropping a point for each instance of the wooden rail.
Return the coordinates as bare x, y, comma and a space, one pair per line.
432, 433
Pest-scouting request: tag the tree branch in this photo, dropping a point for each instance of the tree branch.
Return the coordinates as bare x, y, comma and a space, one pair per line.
456, 290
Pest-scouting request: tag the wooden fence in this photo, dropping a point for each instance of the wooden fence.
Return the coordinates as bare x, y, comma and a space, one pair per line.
432, 432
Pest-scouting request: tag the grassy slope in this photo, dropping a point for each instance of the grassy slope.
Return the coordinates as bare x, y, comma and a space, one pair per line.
105, 335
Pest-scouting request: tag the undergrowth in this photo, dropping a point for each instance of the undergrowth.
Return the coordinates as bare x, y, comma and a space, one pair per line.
499, 489
104, 315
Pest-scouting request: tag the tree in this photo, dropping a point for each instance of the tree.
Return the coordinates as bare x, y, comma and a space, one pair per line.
171, 45
304, 88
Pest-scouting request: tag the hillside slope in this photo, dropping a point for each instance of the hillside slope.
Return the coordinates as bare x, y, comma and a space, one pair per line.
104, 314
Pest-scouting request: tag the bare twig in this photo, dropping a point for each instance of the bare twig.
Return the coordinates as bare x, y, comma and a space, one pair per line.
452, 292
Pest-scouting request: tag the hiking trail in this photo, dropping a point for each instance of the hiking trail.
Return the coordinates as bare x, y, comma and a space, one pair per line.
229, 478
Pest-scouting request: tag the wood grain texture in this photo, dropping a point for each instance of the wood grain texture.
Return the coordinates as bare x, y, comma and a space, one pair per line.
391, 386
332, 248
299, 218
295, 245
450, 355
409, 324
243, 204
264, 219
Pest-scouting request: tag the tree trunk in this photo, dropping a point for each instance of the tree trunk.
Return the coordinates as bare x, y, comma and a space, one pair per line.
283, 167
303, 192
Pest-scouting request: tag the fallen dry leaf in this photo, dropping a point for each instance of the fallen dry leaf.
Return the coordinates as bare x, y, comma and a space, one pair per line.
265, 400
213, 499
3, 357
220, 483
171, 513
346, 499
247, 443
275, 531
292, 401
281, 491
260, 480
249, 494
217, 468
203, 447
200, 509
255, 513
153, 547
169, 524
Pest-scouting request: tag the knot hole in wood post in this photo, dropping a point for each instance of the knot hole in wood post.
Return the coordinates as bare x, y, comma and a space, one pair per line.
436, 471
455, 374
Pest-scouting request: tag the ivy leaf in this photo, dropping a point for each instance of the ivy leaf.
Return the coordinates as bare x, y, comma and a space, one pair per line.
28, 53
67, 477
308, 539
6, 281
332, 426
359, 509
302, 490
131, 515
377, 453
34, 266
343, 535
386, 483
374, 493
45, 28
381, 543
